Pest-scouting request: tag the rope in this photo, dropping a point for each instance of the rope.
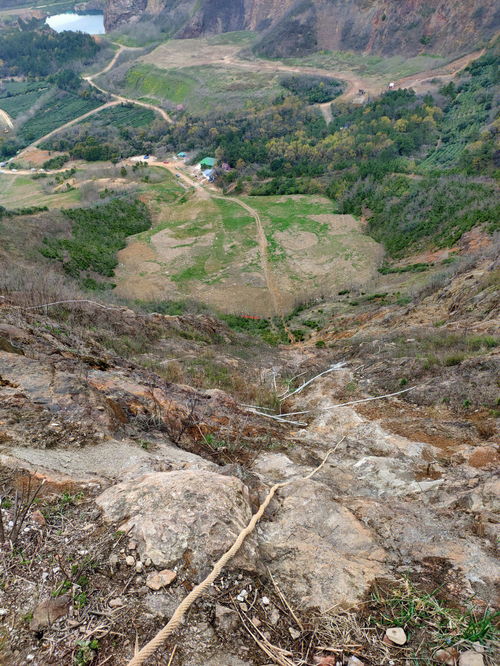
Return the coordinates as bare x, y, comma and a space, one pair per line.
46, 305
176, 619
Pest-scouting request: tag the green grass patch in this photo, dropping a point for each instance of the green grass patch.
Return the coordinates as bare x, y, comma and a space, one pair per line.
417, 611
234, 217
23, 192
283, 213
159, 83
410, 268
270, 330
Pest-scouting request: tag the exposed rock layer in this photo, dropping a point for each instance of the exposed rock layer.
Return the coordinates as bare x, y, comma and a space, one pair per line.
291, 27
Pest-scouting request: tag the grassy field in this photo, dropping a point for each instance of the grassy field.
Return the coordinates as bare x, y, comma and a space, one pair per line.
307, 240
202, 88
148, 80
207, 249
18, 191
385, 68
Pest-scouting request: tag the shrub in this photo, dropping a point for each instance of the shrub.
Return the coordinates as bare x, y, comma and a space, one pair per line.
455, 359
97, 235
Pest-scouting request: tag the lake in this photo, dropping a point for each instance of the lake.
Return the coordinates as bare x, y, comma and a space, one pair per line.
92, 24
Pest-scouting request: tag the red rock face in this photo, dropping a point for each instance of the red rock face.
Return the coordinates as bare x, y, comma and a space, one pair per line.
291, 27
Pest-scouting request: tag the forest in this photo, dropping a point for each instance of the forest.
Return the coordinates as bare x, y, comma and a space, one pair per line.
43, 52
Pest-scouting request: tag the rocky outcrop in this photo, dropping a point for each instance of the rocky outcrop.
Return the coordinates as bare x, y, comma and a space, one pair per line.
318, 551
408, 27
121, 12
189, 517
294, 27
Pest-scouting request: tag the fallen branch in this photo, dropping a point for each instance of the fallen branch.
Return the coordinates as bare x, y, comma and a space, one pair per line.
278, 655
353, 402
150, 648
337, 366
276, 417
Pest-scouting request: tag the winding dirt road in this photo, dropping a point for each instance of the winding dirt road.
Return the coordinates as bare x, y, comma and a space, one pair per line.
117, 99
354, 83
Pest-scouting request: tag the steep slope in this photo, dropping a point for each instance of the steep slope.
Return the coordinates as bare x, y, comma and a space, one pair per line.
143, 474
380, 27
302, 26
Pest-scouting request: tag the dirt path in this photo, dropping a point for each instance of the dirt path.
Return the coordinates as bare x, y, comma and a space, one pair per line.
446, 71
263, 251
6, 119
126, 100
355, 82
117, 99
65, 126
114, 60
272, 288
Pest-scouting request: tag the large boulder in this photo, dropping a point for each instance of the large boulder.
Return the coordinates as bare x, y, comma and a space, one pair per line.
189, 516
318, 552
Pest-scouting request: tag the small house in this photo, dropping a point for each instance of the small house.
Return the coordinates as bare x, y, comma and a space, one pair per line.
208, 163
209, 174
182, 155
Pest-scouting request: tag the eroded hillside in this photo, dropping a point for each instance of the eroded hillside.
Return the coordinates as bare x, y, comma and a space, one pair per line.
293, 27
149, 466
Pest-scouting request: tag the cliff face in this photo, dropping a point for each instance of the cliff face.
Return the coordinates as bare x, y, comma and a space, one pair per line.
405, 27
301, 26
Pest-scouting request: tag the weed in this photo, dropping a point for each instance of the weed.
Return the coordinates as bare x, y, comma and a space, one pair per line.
414, 610
481, 629
63, 587
482, 342
215, 443
81, 600
455, 359
85, 652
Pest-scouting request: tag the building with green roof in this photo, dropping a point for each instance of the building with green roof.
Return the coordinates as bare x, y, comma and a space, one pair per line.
208, 163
